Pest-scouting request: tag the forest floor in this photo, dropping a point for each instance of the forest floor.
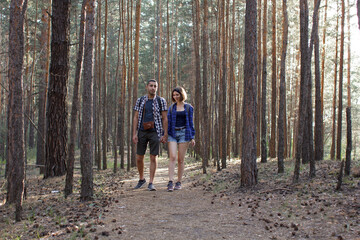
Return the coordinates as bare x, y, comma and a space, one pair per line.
210, 206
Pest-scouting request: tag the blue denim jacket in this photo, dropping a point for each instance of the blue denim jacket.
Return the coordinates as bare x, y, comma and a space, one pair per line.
189, 127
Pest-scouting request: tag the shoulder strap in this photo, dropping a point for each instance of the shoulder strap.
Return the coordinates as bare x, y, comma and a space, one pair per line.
171, 107
159, 102
187, 107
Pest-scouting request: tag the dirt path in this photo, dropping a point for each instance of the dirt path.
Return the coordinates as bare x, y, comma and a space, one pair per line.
210, 206
188, 213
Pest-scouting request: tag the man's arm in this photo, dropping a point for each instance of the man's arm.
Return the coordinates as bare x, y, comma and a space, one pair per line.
165, 126
135, 123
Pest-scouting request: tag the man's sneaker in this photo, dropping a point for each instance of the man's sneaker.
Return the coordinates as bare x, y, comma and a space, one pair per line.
170, 186
177, 186
151, 187
140, 184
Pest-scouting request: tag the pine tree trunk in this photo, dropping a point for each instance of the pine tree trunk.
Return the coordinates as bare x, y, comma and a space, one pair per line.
323, 69
273, 84
168, 56
206, 127
136, 64
176, 66
99, 85
217, 132
319, 141
341, 71
223, 86
104, 100
309, 139
44, 65
333, 137
31, 138
196, 35
29, 99
348, 142
121, 113
75, 106
258, 137
248, 163
282, 99
86, 148
263, 89
56, 137
348, 109
16, 151
301, 145
158, 45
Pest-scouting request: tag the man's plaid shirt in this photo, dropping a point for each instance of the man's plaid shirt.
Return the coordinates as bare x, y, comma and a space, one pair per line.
159, 105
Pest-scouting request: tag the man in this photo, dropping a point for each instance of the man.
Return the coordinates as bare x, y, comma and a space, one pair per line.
150, 125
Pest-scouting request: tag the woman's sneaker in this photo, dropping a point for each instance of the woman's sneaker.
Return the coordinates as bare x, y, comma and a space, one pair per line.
170, 186
177, 186
151, 187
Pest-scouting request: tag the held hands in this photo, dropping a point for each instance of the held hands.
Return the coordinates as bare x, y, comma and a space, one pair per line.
135, 139
163, 139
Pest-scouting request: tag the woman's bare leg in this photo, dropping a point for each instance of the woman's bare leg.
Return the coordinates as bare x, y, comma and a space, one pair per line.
172, 153
181, 156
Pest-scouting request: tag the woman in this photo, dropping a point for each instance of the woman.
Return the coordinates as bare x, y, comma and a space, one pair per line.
181, 133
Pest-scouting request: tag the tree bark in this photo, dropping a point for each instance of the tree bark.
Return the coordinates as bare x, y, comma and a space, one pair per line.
223, 86
158, 45
75, 106
206, 128
16, 151
259, 95
86, 147
282, 99
333, 135
129, 41
196, 35
303, 101
323, 70
341, 71
348, 142
136, 62
44, 65
273, 84
348, 109
248, 162
309, 137
29, 98
104, 101
56, 122
263, 89
121, 113
319, 140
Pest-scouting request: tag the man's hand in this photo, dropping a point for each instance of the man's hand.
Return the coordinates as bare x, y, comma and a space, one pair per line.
192, 142
135, 139
163, 139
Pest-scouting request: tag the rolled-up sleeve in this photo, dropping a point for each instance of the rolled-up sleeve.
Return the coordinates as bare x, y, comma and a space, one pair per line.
192, 129
137, 105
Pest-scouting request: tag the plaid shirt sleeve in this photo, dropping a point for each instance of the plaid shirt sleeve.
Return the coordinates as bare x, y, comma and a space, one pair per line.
137, 105
163, 104
139, 109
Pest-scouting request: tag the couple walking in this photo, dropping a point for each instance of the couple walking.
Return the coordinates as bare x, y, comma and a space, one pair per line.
153, 123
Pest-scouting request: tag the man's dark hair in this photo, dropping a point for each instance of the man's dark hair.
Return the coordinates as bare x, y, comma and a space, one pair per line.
151, 80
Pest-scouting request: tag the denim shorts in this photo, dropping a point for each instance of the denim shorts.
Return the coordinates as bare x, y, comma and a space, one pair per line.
179, 136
